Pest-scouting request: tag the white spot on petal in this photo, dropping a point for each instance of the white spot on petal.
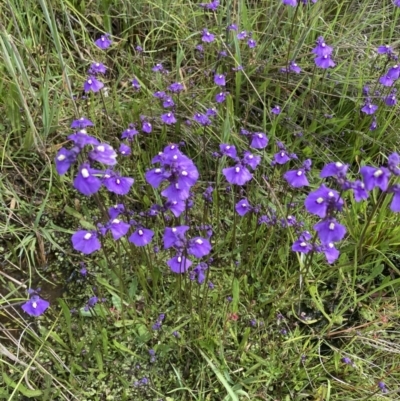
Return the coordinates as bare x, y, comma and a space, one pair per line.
85, 173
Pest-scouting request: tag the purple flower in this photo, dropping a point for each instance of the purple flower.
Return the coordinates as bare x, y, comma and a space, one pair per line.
202, 119
199, 247
104, 153
292, 3
92, 84
369, 108
375, 177
85, 182
243, 207
141, 237
103, 42
176, 207
116, 210
393, 162
97, 68
176, 192
233, 27
168, 118
390, 100
82, 122
251, 43
125, 150
334, 169
381, 384
281, 157
117, 184
118, 228
220, 97
64, 159
296, 178
238, 174
219, 79
159, 94
385, 80
324, 61
322, 49
384, 49
168, 102
135, 84
179, 264
158, 68
359, 191
293, 67
395, 204
129, 133
302, 246
251, 160
394, 72
35, 306
207, 37
155, 177
242, 35
320, 201
330, 230
174, 236
331, 253
228, 150
259, 140
147, 127
85, 241
81, 139
276, 110
176, 87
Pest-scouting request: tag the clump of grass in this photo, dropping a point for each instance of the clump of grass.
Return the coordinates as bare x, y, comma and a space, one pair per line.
279, 282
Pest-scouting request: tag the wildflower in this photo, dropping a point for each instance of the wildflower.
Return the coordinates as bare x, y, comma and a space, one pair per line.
125, 150
347, 360
103, 42
117, 184
238, 174
302, 245
147, 127
92, 301
82, 122
331, 253
251, 160
232, 27
384, 49
390, 100
281, 157
259, 140
385, 80
359, 191
395, 204
212, 6
176, 192
85, 241
141, 237
199, 247
64, 159
92, 84
159, 94
207, 37
212, 112
276, 110
220, 97
381, 384
35, 306
330, 230
85, 182
251, 43
393, 162
322, 200
176, 87
179, 264
322, 49
176, 334
97, 68
243, 207
334, 169
375, 177
292, 3
168, 118
242, 35
374, 125
158, 68
394, 72
104, 153
369, 108
118, 228
116, 210
228, 150
324, 61
296, 178
129, 133
219, 79
174, 236
293, 67
135, 84
168, 102
176, 207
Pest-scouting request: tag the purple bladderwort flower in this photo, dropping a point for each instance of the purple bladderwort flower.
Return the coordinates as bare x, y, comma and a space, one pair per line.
104, 42
97, 68
220, 97
35, 306
276, 110
179, 264
207, 37
168, 118
176, 192
322, 201
85, 241
129, 133
199, 273
159, 94
292, 3
176, 87
91, 303
139, 49
200, 49
375, 177
176, 207
374, 125
385, 80
258, 140
293, 67
324, 61
64, 159
391, 100
237, 175
243, 207
321, 48
116, 210
212, 6
155, 177
395, 204
207, 194
302, 245
396, 3
104, 153
251, 43
85, 181
117, 184
384, 49
330, 230
81, 139
202, 119
219, 79
232, 27
82, 122
147, 127
330, 252
381, 384
289, 221
92, 84
281, 157
359, 190
369, 108
158, 68
175, 236
212, 112
118, 228
125, 150
296, 178
228, 150
251, 160
393, 163
394, 72
242, 35
334, 169
168, 102
347, 361
199, 247
135, 84
141, 237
